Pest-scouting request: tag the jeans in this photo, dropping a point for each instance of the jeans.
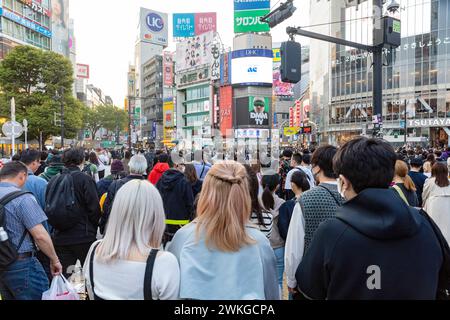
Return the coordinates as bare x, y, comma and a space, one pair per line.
24, 280
68, 256
279, 254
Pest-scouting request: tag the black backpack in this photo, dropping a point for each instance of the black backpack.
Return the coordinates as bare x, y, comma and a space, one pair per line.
60, 202
87, 170
8, 252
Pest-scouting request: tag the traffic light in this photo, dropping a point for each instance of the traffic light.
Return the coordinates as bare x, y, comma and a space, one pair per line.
285, 11
291, 62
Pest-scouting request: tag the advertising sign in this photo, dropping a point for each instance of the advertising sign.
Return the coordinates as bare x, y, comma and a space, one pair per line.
153, 27
291, 131
82, 71
225, 69
251, 4
187, 25
60, 27
168, 69
183, 25
281, 88
276, 55
194, 52
215, 65
225, 109
27, 23
253, 111
37, 7
168, 110
205, 22
249, 21
192, 77
256, 67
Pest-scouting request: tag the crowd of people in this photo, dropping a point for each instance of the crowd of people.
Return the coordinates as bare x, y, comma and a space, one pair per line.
362, 221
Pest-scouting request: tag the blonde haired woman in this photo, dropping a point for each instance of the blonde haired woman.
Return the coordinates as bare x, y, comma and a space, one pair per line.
126, 264
404, 186
222, 256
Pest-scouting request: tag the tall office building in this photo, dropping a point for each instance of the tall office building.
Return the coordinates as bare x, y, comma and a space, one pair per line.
416, 78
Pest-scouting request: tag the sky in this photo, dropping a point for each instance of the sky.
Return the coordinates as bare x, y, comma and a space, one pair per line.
106, 31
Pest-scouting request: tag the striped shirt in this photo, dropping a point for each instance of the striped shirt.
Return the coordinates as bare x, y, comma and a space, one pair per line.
23, 213
266, 229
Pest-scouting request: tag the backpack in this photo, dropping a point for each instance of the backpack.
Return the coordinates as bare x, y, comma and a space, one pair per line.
9, 253
61, 202
87, 170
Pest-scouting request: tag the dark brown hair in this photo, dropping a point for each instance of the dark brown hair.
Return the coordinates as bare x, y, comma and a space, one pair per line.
440, 172
190, 173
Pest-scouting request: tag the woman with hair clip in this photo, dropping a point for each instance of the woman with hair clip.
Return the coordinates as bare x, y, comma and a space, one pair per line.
223, 256
404, 186
272, 203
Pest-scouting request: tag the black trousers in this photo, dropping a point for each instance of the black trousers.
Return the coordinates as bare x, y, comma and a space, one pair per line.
101, 174
68, 256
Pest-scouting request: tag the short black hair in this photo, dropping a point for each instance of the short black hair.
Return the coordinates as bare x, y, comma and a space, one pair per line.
29, 156
73, 157
306, 158
287, 153
367, 163
297, 157
300, 179
163, 157
323, 158
44, 155
12, 169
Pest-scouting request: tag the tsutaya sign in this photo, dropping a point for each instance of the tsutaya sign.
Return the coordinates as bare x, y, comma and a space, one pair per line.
426, 123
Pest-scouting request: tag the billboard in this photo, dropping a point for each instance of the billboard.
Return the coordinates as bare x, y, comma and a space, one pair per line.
225, 69
153, 27
194, 52
168, 110
251, 4
187, 25
225, 109
82, 71
253, 111
215, 65
256, 67
60, 27
280, 88
276, 55
249, 21
168, 75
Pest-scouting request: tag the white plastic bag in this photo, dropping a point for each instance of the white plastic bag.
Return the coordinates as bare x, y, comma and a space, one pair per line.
60, 289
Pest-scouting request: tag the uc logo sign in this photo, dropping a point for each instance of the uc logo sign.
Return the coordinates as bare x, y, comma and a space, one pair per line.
252, 70
155, 22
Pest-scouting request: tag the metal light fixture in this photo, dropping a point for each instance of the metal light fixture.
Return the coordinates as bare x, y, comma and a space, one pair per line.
393, 6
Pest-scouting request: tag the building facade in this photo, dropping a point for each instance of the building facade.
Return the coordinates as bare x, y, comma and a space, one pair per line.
25, 22
416, 75
152, 93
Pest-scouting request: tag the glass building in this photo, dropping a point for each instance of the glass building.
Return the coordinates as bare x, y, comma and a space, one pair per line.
24, 22
416, 75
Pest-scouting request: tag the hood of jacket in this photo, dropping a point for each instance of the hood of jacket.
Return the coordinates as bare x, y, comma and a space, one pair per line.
161, 167
170, 179
380, 214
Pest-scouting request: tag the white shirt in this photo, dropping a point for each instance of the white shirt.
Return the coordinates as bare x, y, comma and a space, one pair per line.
103, 161
295, 245
308, 173
124, 280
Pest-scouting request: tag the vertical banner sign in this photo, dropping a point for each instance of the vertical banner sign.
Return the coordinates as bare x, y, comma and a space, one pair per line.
60, 27
215, 65
291, 116
168, 69
225, 109
225, 69
298, 111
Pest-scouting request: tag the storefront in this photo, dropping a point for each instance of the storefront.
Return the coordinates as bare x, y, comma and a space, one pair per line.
437, 129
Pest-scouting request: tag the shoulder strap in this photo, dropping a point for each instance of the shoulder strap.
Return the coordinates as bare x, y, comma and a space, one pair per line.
203, 170
401, 194
149, 275
91, 270
338, 203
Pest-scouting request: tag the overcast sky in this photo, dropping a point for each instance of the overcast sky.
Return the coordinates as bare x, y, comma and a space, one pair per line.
106, 31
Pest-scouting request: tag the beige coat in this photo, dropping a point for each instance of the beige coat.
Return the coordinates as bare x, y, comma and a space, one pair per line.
437, 204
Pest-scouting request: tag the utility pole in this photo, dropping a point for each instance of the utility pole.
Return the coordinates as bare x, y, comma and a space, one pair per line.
406, 122
377, 93
62, 117
129, 122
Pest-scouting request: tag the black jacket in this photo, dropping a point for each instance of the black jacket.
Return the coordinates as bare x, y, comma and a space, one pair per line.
196, 187
88, 206
284, 217
374, 231
112, 191
177, 196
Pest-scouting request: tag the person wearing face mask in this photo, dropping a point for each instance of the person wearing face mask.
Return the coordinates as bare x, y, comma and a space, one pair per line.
314, 207
178, 199
377, 247
298, 164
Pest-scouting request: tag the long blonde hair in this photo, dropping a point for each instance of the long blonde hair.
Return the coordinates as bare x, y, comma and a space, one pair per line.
137, 220
224, 207
401, 171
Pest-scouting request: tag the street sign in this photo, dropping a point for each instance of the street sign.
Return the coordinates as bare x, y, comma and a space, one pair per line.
12, 129
291, 131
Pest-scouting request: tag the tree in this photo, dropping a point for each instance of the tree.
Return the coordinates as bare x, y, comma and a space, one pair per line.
32, 76
108, 117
